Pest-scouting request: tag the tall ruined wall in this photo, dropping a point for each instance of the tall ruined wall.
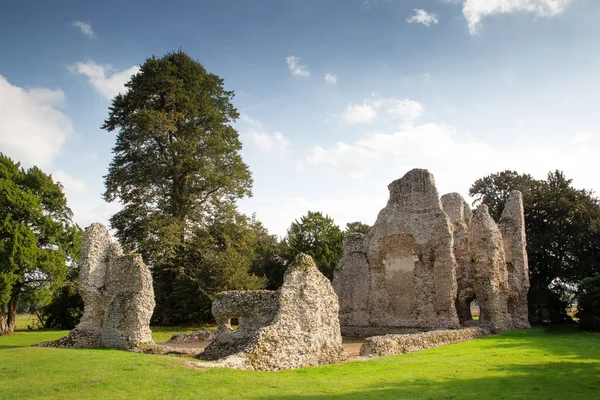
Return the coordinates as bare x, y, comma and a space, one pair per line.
459, 213
117, 294
425, 260
488, 271
408, 260
512, 227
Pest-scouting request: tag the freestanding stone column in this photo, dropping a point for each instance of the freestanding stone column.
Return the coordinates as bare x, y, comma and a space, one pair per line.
459, 214
117, 294
488, 271
512, 227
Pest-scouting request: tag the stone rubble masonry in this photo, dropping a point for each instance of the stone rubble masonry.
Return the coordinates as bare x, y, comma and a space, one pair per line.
117, 294
426, 259
512, 227
459, 214
295, 326
388, 345
488, 272
402, 273
191, 337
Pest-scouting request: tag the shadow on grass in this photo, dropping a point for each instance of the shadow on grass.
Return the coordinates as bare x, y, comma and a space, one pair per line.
564, 380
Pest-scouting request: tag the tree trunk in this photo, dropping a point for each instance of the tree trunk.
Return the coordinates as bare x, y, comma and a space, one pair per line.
12, 313
3, 324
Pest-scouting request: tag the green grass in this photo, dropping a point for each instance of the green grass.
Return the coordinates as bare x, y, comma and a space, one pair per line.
536, 364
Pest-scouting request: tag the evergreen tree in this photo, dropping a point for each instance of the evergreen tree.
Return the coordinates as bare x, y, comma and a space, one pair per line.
178, 171
36, 238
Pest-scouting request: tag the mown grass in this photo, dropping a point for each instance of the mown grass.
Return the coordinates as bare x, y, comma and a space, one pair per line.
535, 364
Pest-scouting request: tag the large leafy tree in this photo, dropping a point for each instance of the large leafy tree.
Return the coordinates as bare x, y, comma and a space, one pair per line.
563, 235
177, 169
36, 238
318, 236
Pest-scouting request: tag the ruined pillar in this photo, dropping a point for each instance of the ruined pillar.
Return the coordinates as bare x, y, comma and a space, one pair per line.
459, 214
512, 227
488, 271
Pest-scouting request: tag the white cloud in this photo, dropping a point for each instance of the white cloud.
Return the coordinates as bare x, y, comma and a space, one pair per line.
422, 17
360, 113
455, 159
370, 109
104, 78
475, 10
85, 28
331, 78
32, 129
269, 143
293, 63
70, 184
408, 110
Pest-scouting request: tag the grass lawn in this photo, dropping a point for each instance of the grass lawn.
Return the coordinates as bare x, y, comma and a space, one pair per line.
553, 363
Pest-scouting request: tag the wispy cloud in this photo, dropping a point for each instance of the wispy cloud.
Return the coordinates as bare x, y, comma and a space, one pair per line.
475, 10
403, 109
104, 78
85, 28
331, 78
422, 17
274, 143
295, 67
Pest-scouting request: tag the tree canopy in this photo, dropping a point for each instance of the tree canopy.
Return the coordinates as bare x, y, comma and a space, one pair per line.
318, 236
178, 171
37, 238
563, 235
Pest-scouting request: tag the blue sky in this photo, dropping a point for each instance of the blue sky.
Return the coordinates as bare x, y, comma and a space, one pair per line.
337, 97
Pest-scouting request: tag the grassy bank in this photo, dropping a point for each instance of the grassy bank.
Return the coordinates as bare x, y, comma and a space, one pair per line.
541, 363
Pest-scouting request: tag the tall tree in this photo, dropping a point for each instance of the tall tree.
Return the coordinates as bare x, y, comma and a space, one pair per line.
36, 238
356, 227
318, 236
562, 226
176, 165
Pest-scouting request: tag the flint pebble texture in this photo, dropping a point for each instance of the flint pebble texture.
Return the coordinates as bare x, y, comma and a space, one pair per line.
512, 228
388, 345
402, 273
117, 293
426, 259
295, 326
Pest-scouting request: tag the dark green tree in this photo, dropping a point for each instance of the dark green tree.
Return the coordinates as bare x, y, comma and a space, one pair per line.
36, 238
562, 236
356, 227
588, 303
318, 236
177, 170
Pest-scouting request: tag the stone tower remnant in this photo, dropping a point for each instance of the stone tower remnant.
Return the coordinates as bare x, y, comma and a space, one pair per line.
117, 294
295, 326
404, 267
425, 260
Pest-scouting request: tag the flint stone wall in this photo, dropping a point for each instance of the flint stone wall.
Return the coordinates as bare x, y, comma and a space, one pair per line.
295, 326
489, 275
404, 267
512, 228
459, 214
117, 293
388, 345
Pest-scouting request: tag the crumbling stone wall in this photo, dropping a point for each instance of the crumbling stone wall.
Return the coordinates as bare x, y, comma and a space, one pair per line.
512, 228
295, 326
407, 261
388, 345
117, 294
459, 213
488, 271
425, 260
